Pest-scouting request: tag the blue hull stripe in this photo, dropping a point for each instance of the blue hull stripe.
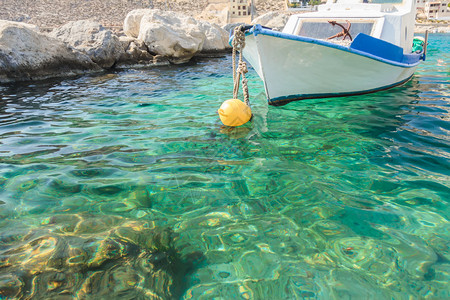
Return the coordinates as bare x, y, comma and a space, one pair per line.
407, 61
279, 101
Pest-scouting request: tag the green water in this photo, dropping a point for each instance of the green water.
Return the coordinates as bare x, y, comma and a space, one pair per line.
126, 186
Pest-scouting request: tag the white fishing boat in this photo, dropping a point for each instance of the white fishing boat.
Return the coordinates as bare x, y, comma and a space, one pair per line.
346, 47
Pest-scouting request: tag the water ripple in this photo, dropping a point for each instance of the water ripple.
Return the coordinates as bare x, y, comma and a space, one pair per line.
126, 184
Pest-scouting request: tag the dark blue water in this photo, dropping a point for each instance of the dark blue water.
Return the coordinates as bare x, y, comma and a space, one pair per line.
126, 186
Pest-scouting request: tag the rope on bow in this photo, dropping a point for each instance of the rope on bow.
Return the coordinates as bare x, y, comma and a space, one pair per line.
238, 45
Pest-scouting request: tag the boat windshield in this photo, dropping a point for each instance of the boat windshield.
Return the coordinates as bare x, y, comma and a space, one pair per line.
322, 29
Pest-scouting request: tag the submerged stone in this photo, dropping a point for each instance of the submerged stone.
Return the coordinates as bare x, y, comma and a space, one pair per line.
10, 286
93, 257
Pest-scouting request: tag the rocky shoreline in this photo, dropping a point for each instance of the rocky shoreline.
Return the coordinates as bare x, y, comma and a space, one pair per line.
150, 37
145, 37
110, 13
432, 27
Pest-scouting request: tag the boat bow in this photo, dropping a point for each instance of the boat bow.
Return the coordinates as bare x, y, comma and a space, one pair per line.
308, 64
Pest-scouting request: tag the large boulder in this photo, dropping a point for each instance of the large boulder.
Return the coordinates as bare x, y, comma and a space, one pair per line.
132, 22
171, 34
174, 35
27, 54
275, 19
100, 44
216, 37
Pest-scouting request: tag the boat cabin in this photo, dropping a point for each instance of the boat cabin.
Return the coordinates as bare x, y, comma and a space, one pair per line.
389, 20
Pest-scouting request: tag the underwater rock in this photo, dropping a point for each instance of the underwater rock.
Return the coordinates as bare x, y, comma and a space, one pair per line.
94, 257
115, 283
27, 54
10, 286
100, 44
55, 284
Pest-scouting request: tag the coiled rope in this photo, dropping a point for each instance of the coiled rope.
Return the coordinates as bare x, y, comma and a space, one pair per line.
238, 45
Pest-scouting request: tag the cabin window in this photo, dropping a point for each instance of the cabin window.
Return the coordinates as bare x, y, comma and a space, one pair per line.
324, 30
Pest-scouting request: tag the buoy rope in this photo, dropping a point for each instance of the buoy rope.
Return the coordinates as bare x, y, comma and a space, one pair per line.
238, 45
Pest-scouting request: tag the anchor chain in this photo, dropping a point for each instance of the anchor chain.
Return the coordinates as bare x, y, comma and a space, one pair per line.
238, 45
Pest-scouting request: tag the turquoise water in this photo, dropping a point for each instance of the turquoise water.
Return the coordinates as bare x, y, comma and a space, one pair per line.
126, 186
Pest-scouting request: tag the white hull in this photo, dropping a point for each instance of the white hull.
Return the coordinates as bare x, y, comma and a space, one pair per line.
292, 69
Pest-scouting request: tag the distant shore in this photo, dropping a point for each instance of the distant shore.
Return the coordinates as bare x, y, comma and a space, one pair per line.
110, 13
432, 27
48, 15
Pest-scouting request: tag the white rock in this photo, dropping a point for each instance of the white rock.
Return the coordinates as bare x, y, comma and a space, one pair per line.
443, 29
100, 44
27, 54
171, 34
174, 35
216, 37
132, 22
276, 20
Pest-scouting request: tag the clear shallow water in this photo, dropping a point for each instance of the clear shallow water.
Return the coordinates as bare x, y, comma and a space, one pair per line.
126, 185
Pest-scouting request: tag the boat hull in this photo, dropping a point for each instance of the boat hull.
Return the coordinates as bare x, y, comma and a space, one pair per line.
294, 68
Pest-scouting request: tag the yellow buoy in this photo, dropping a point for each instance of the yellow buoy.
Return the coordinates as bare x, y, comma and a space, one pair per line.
234, 112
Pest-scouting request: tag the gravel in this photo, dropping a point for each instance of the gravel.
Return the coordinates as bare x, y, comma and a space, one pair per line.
110, 13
